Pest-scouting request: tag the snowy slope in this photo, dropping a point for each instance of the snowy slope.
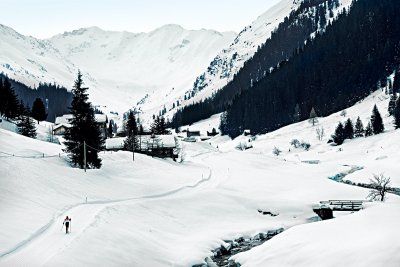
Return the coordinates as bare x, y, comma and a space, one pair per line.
228, 61
372, 233
119, 67
159, 213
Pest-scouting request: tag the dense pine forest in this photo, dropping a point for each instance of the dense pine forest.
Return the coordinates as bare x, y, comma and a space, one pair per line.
332, 71
58, 98
310, 17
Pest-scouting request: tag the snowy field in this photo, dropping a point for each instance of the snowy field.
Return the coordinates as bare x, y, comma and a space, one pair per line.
159, 213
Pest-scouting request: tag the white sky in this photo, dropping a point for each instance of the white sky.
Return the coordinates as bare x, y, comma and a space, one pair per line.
45, 18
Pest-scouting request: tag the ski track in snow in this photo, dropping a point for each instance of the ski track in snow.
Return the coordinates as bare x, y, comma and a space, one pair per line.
48, 241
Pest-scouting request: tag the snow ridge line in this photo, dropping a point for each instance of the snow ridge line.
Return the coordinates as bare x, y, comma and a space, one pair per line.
44, 228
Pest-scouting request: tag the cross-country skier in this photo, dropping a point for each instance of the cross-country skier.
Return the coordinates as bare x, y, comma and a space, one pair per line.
67, 223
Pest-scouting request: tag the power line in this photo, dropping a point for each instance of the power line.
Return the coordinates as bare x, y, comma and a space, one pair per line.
11, 155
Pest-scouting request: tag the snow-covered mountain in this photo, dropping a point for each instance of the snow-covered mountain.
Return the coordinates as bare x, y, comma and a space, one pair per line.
227, 63
119, 67
231, 59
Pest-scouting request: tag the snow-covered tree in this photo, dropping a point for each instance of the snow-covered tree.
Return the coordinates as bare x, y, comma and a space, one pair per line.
84, 129
392, 104
131, 141
376, 121
348, 129
338, 137
26, 127
359, 128
396, 114
368, 130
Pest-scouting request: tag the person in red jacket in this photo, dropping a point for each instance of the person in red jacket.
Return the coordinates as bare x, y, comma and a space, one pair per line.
67, 223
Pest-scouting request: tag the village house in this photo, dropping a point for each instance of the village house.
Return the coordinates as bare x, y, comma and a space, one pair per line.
162, 146
62, 123
190, 133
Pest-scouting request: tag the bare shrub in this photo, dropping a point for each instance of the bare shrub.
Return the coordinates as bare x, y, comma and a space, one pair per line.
381, 185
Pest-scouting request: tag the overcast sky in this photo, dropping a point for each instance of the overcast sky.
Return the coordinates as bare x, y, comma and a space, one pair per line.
44, 18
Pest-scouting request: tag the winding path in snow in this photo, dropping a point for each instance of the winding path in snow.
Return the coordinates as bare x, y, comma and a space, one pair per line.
50, 239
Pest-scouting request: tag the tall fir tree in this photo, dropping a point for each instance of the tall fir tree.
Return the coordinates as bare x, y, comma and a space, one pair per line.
396, 82
359, 128
392, 104
396, 114
110, 129
22, 109
26, 127
131, 142
38, 110
84, 129
348, 129
376, 121
339, 135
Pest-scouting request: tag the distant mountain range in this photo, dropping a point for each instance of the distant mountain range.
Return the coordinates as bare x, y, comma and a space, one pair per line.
119, 67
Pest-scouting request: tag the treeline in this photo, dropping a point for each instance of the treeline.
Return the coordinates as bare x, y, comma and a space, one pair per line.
288, 38
333, 71
58, 98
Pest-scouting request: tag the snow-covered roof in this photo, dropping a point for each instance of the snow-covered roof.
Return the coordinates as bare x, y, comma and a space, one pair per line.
66, 125
115, 143
166, 140
100, 118
65, 119
146, 141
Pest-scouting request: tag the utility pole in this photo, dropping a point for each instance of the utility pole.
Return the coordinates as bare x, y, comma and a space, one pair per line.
84, 154
133, 150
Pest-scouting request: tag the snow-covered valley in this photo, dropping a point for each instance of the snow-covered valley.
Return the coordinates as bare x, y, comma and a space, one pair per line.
155, 212
274, 146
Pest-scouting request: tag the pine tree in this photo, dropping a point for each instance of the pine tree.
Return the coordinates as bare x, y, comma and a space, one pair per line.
359, 128
396, 114
163, 126
368, 130
38, 110
159, 126
376, 121
313, 117
339, 135
131, 142
396, 83
110, 129
84, 129
155, 126
26, 127
22, 109
392, 104
223, 126
348, 129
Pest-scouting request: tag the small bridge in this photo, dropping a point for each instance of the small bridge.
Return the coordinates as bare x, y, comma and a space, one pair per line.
326, 208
